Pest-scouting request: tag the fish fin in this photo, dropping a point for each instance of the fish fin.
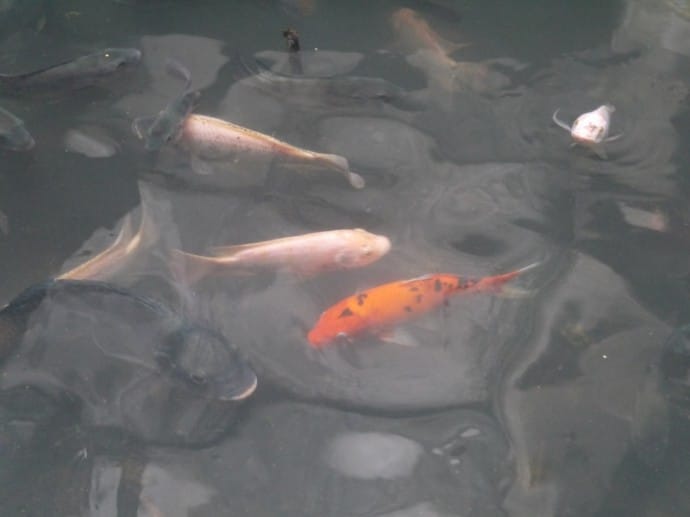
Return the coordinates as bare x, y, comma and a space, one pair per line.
511, 292
450, 47
559, 122
124, 237
344, 166
600, 152
200, 166
398, 337
176, 69
614, 137
507, 62
141, 126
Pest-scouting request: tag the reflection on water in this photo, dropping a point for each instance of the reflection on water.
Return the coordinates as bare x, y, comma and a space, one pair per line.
130, 388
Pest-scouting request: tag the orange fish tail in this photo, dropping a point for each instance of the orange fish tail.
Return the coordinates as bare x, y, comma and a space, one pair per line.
495, 283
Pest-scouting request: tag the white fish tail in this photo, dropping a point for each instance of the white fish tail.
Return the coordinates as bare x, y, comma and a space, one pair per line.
528, 267
342, 165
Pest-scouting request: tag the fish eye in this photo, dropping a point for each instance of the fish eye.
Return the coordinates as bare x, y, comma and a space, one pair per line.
367, 251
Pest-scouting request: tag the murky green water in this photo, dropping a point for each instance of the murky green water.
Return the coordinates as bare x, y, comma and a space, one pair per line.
567, 396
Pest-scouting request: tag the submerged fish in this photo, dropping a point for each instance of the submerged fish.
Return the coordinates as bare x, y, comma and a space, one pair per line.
432, 54
211, 139
79, 73
302, 254
319, 92
13, 134
591, 129
381, 308
169, 380
418, 35
165, 127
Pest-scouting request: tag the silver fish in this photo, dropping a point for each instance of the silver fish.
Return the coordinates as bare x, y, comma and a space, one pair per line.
72, 75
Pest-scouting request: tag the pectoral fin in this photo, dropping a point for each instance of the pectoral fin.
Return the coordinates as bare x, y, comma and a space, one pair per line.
200, 166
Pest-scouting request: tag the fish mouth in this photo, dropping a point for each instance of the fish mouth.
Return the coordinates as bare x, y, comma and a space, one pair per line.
125, 56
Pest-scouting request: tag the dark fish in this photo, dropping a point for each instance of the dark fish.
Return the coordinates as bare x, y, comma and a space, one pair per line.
291, 40
13, 134
133, 363
347, 91
72, 75
165, 127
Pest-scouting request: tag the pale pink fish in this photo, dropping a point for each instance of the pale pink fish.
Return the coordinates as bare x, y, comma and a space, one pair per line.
418, 34
432, 54
303, 255
208, 138
591, 129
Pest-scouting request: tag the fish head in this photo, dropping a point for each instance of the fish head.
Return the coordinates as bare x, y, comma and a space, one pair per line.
362, 248
205, 361
321, 335
113, 59
592, 127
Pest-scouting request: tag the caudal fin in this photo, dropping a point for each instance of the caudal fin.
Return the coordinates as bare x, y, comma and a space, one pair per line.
496, 283
341, 164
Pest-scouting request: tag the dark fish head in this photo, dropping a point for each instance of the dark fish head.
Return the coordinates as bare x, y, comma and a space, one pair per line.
165, 127
111, 60
207, 363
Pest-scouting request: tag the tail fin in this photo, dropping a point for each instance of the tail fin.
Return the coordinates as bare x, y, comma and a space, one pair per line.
342, 165
105, 263
496, 283
141, 126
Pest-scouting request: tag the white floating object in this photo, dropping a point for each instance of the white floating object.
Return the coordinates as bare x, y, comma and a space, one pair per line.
373, 455
90, 142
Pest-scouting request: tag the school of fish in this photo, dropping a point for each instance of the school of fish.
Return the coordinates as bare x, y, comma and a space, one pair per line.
208, 141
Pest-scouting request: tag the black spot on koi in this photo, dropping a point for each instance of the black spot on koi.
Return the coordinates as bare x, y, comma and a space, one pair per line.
361, 298
408, 308
437, 285
346, 312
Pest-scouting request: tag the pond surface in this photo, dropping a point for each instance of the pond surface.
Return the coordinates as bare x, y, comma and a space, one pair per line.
142, 376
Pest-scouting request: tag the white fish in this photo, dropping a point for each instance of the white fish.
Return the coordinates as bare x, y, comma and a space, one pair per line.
212, 139
591, 129
303, 255
373, 455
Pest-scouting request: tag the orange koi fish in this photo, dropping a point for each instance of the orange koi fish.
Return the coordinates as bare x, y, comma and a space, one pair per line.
385, 306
